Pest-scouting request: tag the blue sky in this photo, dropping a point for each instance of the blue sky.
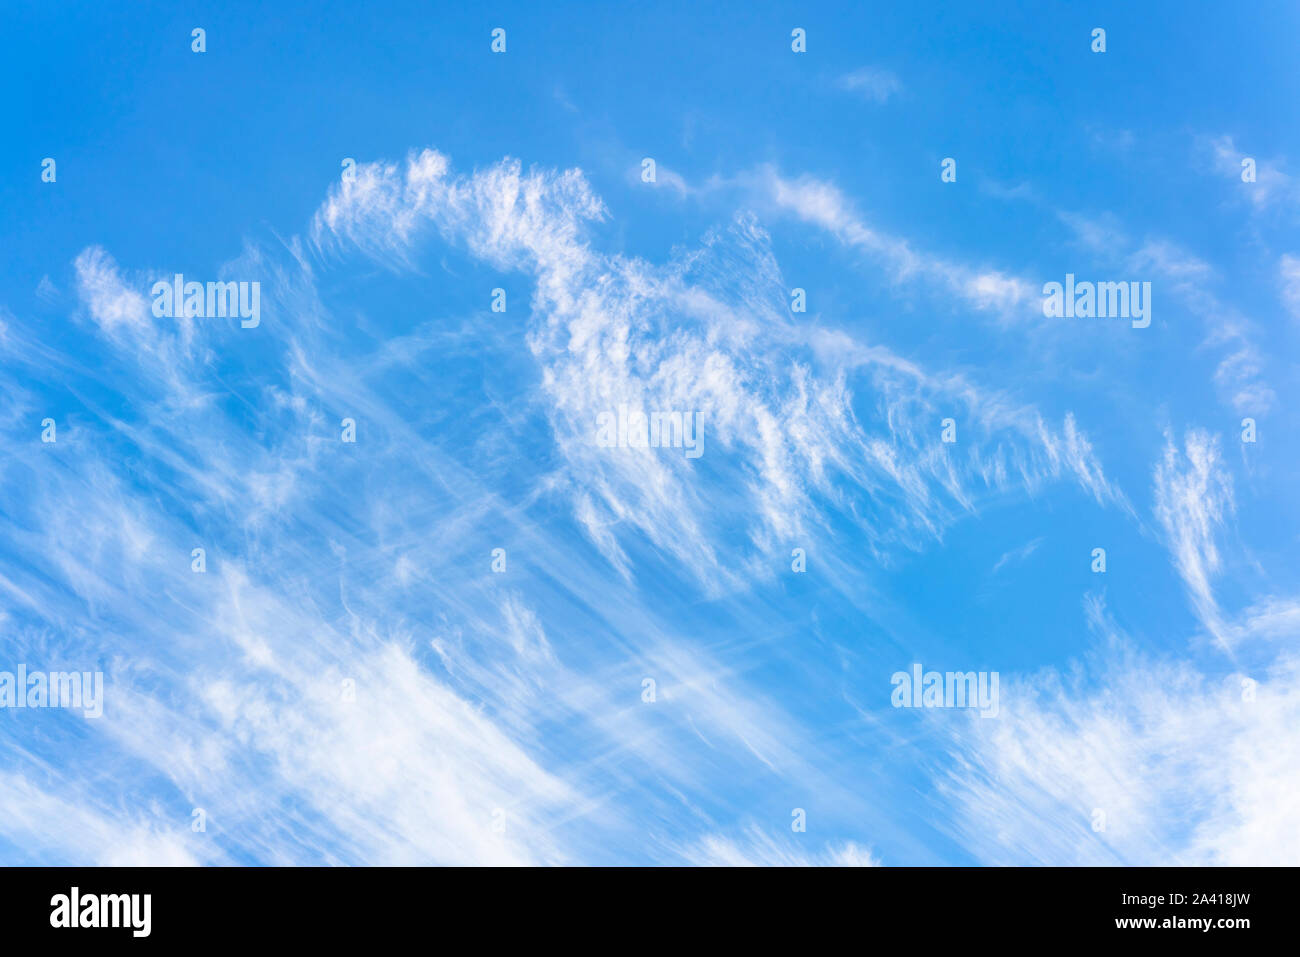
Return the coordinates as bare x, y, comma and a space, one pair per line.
350, 681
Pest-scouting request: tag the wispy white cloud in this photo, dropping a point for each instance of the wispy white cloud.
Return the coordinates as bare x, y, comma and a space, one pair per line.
1241, 374
822, 204
109, 300
243, 714
757, 848
1273, 186
88, 830
1193, 496
1017, 555
1132, 760
665, 178
709, 333
871, 83
1288, 268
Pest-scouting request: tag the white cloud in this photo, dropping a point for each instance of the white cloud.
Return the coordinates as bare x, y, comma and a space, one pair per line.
871, 83
756, 848
709, 332
1240, 374
821, 204
110, 301
227, 698
1193, 495
1172, 263
1288, 268
1132, 760
46, 291
1272, 186
80, 829
1017, 554
665, 178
